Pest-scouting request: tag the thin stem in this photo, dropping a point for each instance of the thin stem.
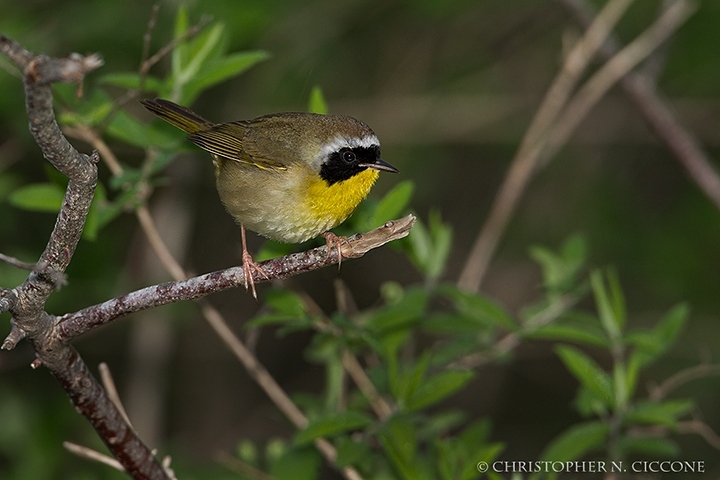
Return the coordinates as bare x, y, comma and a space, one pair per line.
524, 163
641, 91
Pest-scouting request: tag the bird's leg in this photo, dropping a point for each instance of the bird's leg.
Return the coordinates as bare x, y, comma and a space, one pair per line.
333, 241
248, 265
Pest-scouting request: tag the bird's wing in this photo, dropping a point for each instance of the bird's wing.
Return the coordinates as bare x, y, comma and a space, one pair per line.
227, 140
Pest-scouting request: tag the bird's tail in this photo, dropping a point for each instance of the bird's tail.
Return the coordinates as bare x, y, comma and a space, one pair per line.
177, 115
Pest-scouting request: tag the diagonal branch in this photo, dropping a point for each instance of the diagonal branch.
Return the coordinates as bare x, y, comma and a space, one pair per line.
29, 318
75, 324
640, 89
523, 164
541, 143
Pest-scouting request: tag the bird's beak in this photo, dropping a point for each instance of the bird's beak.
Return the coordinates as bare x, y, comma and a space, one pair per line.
380, 164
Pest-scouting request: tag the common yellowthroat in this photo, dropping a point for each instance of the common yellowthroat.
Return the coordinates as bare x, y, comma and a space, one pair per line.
287, 176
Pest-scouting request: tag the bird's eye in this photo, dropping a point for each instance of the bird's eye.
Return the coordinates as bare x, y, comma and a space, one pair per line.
348, 156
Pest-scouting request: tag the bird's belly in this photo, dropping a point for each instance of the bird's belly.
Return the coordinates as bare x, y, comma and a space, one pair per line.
287, 206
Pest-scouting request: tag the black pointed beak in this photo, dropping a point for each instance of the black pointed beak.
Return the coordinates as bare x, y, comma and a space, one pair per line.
381, 165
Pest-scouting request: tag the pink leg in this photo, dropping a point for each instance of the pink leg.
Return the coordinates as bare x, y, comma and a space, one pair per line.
249, 265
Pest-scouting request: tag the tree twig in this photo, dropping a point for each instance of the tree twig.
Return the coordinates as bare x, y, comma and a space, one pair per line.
93, 455
616, 68
111, 389
659, 116
661, 391
524, 162
72, 325
28, 315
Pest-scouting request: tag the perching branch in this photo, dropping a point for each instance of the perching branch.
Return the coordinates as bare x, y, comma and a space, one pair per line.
75, 324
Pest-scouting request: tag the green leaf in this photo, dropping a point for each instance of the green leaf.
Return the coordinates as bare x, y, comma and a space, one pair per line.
441, 234
200, 49
219, 70
400, 314
607, 308
486, 453
652, 344
129, 129
351, 452
286, 302
571, 333
437, 388
461, 345
650, 446
392, 204
448, 460
441, 423
560, 270
131, 81
665, 413
576, 441
477, 433
451, 323
331, 425
617, 298
297, 464
420, 244
399, 441
588, 404
479, 307
180, 52
408, 381
38, 197
587, 372
429, 246
668, 329
317, 103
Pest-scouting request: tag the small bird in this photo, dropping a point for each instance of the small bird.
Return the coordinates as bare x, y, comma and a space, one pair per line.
287, 176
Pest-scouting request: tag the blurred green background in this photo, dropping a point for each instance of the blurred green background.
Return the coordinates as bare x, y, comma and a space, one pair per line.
449, 86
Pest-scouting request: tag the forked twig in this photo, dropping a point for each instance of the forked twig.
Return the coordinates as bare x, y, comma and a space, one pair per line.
549, 130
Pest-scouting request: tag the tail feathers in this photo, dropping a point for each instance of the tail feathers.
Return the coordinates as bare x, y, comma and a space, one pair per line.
177, 115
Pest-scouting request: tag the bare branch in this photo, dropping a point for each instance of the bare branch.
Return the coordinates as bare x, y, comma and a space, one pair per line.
659, 115
523, 165
382, 408
111, 389
702, 429
93, 455
683, 376
74, 324
616, 68
242, 468
540, 144
28, 316
16, 263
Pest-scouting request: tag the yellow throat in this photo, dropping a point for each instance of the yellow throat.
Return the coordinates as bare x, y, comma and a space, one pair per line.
337, 201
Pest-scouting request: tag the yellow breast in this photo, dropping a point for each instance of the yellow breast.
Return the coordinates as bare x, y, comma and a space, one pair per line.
336, 202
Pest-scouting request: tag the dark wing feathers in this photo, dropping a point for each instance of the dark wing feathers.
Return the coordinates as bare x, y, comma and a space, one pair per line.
225, 140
